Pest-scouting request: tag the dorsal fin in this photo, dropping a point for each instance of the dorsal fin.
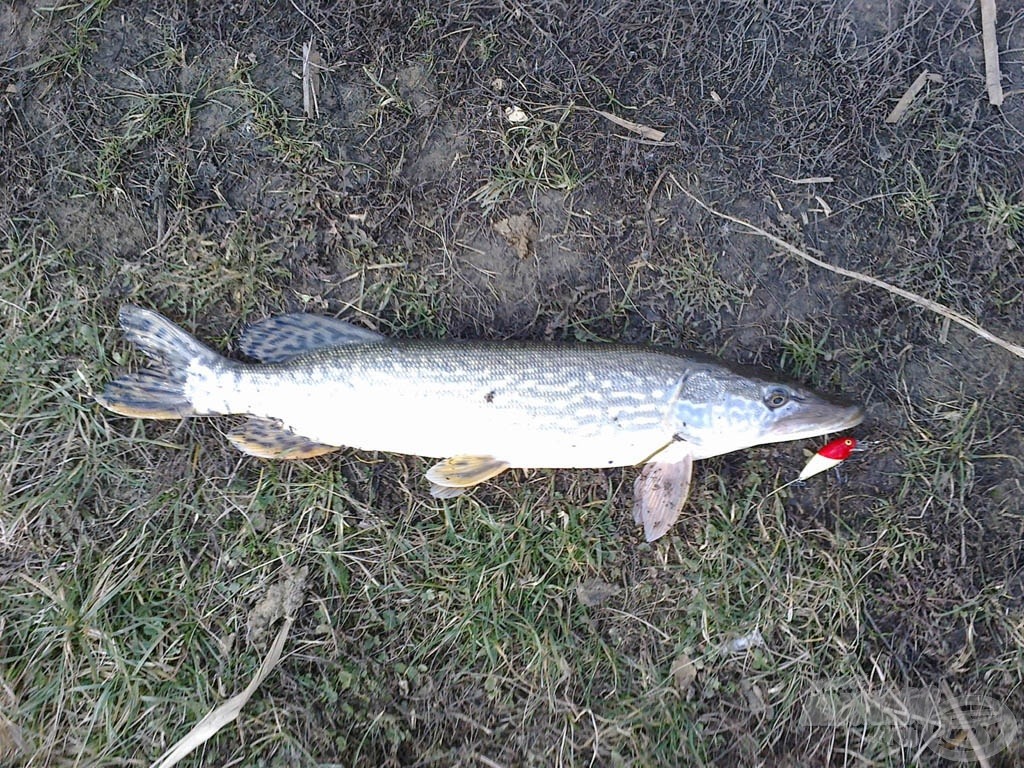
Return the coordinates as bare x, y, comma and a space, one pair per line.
281, 338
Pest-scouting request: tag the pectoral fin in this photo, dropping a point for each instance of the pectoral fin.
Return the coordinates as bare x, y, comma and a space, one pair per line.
461, 472
445, 492
659, 494
269, 440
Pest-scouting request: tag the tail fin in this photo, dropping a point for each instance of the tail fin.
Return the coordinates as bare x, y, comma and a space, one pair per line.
156, 393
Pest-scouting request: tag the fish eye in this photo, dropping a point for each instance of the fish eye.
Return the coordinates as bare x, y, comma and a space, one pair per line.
776, 398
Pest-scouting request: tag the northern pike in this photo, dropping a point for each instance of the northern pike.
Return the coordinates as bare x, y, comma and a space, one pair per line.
483, 406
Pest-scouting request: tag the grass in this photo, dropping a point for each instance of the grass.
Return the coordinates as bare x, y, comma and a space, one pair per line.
1001, 213
148, 115
399, 299
536, 157
79, 28
918, 203
525, 623
270, 123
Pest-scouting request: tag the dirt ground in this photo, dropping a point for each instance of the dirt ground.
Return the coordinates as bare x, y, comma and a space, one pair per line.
512, 170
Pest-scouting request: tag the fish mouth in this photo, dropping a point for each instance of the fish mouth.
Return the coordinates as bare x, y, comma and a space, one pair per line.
818, 418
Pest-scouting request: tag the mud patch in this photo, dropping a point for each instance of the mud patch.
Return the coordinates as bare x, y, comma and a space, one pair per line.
417, 86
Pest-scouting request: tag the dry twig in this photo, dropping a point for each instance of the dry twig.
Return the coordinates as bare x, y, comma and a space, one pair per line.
311, 66
644, 130
988, 38
909, 95
921, 301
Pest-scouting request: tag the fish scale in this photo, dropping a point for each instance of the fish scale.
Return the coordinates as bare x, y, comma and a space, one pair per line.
533, 405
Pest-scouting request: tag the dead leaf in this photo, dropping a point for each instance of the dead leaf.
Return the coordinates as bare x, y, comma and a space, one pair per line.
516, 115
226, 713
753, 639
520, 231
282, 600
684, 672
911, 93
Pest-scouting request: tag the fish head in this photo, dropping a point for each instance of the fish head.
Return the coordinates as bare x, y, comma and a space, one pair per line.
721, 409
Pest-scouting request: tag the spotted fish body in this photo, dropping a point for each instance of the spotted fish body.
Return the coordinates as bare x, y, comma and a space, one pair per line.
574, 408
486, 406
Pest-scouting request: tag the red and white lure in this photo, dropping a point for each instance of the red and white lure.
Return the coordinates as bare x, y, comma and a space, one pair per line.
834, 453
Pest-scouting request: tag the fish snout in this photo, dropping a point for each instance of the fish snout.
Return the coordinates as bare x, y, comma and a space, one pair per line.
816, 416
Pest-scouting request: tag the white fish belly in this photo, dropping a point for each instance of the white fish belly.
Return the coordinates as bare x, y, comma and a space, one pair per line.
546, 424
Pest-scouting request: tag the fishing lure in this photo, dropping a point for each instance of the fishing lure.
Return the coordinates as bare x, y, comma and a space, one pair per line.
833, 453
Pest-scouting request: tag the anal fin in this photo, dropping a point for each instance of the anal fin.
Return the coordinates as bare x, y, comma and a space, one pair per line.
461, 472
659, 493
269, 440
